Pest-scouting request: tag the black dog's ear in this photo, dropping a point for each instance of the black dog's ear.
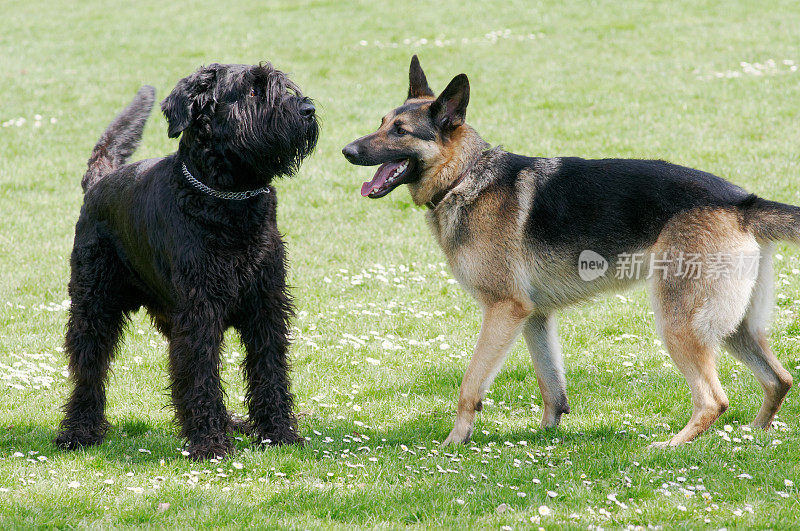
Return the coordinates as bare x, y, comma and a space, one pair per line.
189, 96
450, 108
417, 83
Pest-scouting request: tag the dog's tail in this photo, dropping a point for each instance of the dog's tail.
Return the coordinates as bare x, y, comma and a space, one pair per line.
121, 137
770, 220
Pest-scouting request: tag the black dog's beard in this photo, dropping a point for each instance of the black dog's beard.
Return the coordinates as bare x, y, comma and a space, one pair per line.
265, 141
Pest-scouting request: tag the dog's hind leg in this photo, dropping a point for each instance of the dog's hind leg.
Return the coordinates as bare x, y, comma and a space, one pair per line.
696, 307
194, 347
265, 333
749, 345
541, 337
698, 364
502, 323
96, 320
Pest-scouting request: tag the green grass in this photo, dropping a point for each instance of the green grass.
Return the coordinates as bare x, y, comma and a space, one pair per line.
606, 79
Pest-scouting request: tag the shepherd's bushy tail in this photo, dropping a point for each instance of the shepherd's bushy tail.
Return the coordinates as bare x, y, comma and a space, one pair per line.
770, 220
121, 137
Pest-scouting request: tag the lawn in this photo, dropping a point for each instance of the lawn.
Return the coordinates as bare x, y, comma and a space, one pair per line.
383, 333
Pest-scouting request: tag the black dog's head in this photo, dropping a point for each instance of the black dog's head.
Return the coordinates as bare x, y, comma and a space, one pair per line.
248, 119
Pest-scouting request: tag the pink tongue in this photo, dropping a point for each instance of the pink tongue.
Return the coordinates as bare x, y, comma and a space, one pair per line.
377, 182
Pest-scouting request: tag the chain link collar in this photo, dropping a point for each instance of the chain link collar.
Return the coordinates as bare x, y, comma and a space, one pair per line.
235, 196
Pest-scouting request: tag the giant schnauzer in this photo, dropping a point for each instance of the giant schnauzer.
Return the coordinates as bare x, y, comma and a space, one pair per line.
192, 237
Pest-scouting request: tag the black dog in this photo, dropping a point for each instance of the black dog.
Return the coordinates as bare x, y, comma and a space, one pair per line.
192, 237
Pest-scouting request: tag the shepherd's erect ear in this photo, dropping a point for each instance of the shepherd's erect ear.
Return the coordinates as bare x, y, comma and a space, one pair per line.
417, 83
450, 108
188, 97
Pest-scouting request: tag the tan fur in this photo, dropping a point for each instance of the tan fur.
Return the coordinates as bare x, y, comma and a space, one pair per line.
712, 307
420, 100
696, 360
381, 136
443, 164
541, 337
490, 247
502, 323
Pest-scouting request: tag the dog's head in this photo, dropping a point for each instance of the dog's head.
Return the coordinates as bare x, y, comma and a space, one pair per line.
247, 117
414, 137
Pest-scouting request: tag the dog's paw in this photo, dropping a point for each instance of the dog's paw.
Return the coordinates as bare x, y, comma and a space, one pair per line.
761, 425
72, 440
660, 445
210, 450
458, 436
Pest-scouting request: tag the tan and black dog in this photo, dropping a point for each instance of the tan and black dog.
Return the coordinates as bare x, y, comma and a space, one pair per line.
529, 236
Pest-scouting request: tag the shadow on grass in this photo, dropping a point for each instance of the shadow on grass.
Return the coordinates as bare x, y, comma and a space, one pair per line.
129, 441
425, 429
137, 441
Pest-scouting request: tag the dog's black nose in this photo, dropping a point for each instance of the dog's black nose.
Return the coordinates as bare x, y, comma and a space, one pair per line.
350, 151
306, 109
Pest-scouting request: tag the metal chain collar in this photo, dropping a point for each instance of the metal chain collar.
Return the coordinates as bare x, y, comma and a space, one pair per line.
235, 196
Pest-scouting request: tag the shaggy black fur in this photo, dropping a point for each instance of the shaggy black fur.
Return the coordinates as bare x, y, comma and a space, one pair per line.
197, 263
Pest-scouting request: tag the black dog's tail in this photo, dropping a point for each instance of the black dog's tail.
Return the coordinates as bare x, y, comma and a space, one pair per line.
121, 137
772, 221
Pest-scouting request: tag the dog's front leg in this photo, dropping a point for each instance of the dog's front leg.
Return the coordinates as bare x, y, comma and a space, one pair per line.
194, 348
97, 318
265, 333
502, 322
541, 337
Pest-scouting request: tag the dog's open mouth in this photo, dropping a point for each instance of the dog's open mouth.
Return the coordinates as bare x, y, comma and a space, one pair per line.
388, 177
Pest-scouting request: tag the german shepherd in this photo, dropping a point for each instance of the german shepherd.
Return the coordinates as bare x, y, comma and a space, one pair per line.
519, 233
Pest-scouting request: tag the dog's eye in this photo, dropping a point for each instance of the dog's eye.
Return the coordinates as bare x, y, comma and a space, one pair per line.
252, 93
400, 131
